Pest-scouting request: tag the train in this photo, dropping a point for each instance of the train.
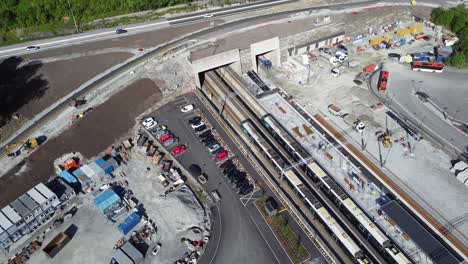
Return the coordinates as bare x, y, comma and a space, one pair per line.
306, 195
314, 170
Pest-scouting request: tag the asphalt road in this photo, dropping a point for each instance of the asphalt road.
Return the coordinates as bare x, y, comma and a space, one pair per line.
448, 89
109, 33
240, 235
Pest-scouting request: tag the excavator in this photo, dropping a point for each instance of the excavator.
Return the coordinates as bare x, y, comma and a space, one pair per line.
384, 138
14, 149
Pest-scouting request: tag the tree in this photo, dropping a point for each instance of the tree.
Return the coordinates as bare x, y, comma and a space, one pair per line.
458, 60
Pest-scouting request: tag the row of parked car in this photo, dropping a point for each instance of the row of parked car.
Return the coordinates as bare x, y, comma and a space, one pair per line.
165, 136
206, 136
238, 178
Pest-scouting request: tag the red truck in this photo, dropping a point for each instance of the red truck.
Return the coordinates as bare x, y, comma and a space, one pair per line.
383, 80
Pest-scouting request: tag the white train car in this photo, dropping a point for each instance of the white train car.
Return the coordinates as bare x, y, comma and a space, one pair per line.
397, 256
339, 233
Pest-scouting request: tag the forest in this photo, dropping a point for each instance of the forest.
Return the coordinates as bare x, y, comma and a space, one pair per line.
455, 19
20, 16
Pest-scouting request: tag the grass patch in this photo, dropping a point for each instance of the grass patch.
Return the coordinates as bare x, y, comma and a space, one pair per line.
199, 193
290, 241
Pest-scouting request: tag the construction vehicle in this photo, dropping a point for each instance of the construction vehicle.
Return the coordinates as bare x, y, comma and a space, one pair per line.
75, 102
384, 138
14, 149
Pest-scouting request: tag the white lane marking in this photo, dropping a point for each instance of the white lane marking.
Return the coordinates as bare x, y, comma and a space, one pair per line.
129, 28
264, 238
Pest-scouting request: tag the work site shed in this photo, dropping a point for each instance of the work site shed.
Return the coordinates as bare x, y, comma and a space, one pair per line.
105, 166
67, 177
93, 171
107, 200
129, 223
127, 254
83, 178
113, 162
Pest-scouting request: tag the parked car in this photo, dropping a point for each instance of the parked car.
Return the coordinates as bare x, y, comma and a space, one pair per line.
342, 48
166, 137
120, 31
214, 147
205, 133
179, 150
217, 151
171, 141
221, 156
149, 123
156, 249
161, 133
247, 189
208, 138
227, 164
158, 129
195, 120
32, 48
394, 55
199, 124
201, 131
211, 142
186, 108
200, 128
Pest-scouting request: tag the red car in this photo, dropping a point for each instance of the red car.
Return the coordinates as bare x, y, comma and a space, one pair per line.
166, 137
179, 150
221, 156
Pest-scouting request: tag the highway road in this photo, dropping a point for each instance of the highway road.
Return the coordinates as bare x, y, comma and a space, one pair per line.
109, 33
447, 89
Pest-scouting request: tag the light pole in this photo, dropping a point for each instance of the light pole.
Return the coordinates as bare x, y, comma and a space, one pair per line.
73, 16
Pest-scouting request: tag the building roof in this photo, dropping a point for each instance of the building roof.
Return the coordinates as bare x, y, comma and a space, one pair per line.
59, 187
132, 252
36, 196
428, 243
20, 208
28, 202
5, 223
44, 190
107, 199
11, 214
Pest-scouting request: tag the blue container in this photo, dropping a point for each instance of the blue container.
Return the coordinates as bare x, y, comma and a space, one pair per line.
107, 200
106, 167
129, 223
66, 176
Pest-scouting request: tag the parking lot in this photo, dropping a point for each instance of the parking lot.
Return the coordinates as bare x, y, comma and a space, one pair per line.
240, 234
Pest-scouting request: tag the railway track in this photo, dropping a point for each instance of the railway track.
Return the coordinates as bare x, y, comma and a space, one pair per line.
283, 157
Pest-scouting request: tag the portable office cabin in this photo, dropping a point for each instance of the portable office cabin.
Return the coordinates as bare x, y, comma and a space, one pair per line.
25, 213
106, 166
5, 225
19, 226
48, 194
127, 254
113, 162
93, 171
62, 190
68, 177
31, 205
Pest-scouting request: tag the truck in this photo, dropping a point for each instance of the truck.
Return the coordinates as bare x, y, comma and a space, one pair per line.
56, 244
265, 62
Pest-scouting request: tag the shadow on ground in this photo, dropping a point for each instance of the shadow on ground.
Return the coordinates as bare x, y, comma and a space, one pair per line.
18, 86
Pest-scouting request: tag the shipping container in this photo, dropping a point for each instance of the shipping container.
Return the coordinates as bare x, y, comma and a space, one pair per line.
129, 223
107, 200
68, 177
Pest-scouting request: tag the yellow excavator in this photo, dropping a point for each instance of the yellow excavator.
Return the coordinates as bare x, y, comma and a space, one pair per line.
14, 149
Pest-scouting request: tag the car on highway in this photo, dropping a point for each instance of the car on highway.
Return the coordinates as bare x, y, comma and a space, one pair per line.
199, 124
155, 251
195, 120
187, 108
221, 156
120, 31
207, 15
179, 150
32, 48
149, 123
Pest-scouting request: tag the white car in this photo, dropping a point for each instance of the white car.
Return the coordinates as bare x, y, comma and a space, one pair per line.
197, 125
156, 249
32, 48
186, 108
335, 72
341, 56
207, 15
213, 148
149, 123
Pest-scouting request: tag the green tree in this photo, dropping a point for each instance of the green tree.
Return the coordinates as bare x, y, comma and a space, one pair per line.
458, 60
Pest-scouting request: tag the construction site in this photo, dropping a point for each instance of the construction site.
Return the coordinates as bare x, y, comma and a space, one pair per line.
338, 116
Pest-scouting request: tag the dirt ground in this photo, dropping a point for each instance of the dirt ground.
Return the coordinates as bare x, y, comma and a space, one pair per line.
36, 87
99, 129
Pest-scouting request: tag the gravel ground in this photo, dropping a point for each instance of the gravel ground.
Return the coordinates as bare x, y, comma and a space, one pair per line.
89, 136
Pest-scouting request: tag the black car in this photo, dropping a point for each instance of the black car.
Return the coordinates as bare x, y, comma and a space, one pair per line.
242, 184
200, 128
229, 169
234, 176
246, 189
226, 164
208, 138
195, 120
394, 55
211, 143
206, 133
120, 31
